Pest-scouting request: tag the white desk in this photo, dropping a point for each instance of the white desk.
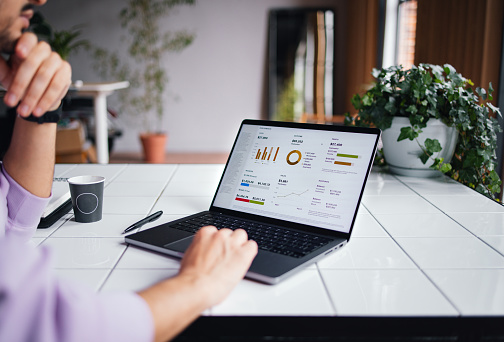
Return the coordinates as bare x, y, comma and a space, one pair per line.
99, 92
421, 248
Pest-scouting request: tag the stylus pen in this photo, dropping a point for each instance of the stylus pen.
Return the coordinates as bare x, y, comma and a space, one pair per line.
148, 219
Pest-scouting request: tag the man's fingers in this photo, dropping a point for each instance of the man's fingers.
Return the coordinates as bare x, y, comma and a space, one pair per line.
62, 94
25, 74
40, 78
25, 45
240, 236
206, 231
52, 92
251, 248
44, 88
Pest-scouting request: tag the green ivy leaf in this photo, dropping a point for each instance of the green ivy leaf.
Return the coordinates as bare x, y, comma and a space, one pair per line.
494, 176
424, 157
432, 145
431, 91
446, 167
376, 73
367, 100
356, 101
407, 133
391, 106
437, 164
495, 188
412, 109
493, 108
481, 92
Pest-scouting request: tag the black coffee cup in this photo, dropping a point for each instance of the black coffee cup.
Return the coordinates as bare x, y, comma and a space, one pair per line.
87, 197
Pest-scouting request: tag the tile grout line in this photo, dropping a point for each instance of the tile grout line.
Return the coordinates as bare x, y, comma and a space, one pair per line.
58, 227
127, 246
412, 260
451, 218
333, 305
65, 220
164, 188
113, 267
169, 180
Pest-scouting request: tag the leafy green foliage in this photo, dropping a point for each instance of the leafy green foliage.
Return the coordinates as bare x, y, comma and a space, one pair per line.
407, 133
144, 70
62, 42
437, 92
286, 101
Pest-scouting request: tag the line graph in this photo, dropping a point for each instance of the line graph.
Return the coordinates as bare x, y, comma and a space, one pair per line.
293, 194
294, 198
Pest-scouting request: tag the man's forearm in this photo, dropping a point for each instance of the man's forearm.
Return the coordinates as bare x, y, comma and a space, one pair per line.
30, 157
36, 79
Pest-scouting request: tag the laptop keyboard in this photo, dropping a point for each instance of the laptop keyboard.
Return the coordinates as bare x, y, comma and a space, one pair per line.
269, 238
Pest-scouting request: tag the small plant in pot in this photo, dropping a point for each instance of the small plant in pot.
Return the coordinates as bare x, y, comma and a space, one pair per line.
143, 67
431, 93
64, 42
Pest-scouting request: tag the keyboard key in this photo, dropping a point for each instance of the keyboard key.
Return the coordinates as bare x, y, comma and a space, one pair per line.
268, 238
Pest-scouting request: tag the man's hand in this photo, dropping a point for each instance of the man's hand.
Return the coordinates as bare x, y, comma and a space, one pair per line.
212, 266
218, 260
35, 77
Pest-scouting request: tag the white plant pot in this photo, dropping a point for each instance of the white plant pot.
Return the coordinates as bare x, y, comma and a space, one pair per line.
403, 156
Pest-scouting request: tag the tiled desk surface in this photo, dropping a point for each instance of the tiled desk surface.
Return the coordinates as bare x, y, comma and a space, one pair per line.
420, 247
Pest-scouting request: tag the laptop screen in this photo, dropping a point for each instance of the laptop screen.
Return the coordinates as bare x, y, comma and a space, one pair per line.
309, 176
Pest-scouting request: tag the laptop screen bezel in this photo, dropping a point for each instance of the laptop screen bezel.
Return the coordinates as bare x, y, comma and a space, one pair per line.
299, 226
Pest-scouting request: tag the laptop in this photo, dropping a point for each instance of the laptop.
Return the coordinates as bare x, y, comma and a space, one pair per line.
294, 187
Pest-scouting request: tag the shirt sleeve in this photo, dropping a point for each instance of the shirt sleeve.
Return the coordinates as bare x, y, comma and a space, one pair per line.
37, 306
20, 210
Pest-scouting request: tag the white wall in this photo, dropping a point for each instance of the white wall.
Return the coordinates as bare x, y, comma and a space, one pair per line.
220, 79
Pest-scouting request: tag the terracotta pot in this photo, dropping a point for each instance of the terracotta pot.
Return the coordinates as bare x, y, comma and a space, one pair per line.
154, 147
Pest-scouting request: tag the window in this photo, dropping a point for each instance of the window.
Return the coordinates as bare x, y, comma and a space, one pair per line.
406, 33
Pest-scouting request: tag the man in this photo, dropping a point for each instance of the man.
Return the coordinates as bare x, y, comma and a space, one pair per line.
34, 304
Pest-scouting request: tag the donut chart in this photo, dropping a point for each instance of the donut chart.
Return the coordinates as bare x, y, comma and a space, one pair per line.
291, 157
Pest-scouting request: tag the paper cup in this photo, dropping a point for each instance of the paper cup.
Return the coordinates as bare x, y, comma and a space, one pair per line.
87, 197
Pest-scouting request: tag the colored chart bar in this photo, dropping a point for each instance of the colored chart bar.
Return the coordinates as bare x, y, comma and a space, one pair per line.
347, 155
255, 186
249, 201
264, 155
343, 163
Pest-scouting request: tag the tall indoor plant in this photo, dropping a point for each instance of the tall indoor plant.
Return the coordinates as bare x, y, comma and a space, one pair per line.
148, 42
428, 92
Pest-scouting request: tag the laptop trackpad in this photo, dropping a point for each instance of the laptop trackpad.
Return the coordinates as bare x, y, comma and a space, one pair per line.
180, 245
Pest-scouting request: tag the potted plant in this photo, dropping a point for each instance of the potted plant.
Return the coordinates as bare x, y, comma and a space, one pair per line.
63, 42
144, 68
427, 93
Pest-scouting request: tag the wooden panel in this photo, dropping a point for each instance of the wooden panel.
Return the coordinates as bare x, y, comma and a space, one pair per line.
464, 33
362, 34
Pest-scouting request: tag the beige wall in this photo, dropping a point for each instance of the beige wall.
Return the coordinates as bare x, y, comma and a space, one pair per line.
219, 80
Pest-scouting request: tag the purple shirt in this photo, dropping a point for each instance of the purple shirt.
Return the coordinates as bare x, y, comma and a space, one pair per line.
37, 306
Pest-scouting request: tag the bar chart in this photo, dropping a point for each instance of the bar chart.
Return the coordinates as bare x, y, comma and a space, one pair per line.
345, 157
265, 155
